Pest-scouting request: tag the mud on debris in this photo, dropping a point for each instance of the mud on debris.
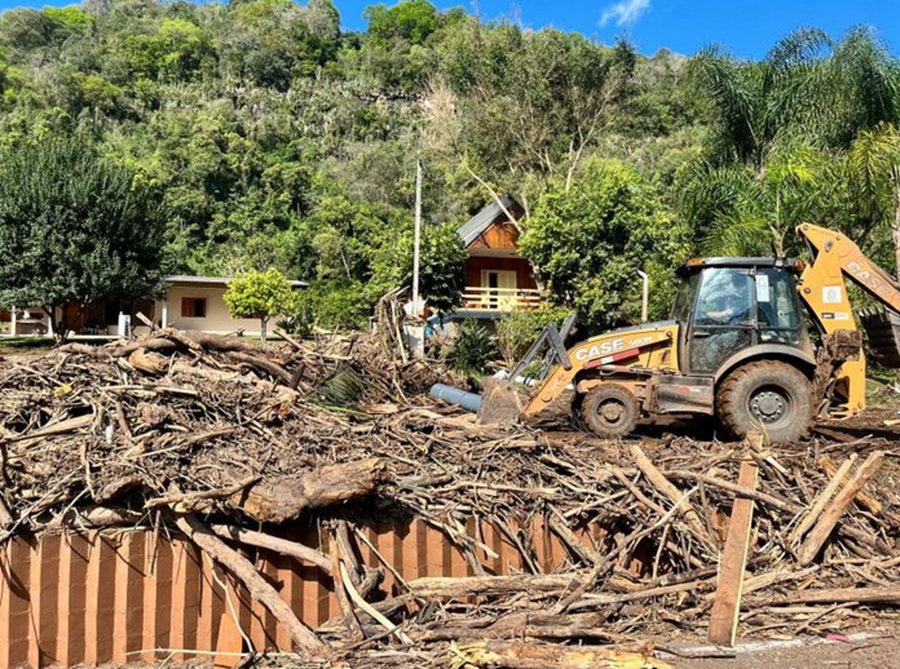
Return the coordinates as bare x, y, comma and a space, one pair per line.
216, 438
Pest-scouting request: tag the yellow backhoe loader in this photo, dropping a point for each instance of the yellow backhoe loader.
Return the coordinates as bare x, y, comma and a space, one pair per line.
737, 347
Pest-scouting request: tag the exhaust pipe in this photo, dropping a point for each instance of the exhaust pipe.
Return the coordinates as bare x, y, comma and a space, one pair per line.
645, 297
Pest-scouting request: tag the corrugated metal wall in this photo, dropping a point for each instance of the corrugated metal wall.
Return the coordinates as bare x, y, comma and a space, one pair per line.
137, 595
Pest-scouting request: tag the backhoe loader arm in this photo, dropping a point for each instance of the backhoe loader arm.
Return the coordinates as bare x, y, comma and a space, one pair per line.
823, 290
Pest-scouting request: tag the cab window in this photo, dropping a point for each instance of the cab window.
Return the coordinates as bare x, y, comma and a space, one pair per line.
778, 310
684, 297
726, 298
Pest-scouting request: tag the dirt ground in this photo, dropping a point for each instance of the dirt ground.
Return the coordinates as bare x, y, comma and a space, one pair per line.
872, 647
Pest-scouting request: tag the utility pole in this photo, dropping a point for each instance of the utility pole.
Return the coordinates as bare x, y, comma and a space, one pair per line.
418, 239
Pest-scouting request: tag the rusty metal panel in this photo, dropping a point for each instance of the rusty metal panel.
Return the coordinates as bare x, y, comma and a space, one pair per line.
101, 597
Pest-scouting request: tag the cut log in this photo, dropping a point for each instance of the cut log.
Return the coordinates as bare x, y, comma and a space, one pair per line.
837, 480
727, 603
518, 655
864, 499
258, 587
279, 500
842, 501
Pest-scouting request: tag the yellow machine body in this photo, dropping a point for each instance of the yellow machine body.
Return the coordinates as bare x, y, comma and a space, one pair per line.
649, 373
648, 348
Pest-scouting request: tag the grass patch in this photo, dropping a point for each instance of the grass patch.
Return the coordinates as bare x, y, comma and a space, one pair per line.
26, 343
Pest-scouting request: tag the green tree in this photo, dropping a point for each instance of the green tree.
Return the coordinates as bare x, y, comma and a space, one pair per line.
780, 151
412, 20
736, 210
261, 295
74, 227
441, 259
588, 243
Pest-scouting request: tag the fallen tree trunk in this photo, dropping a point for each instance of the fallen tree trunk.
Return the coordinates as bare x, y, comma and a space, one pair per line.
258, 587
276, 544
276, 501
534, 625
888, 594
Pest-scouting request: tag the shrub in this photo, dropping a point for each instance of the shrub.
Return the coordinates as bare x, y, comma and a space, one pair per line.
473, 349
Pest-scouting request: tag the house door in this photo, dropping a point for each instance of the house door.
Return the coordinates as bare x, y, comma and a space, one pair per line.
500, 289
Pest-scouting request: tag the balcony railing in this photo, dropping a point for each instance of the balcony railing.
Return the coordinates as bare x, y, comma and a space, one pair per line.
500, 299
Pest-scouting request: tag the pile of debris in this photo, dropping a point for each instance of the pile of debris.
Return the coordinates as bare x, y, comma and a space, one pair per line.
219, 438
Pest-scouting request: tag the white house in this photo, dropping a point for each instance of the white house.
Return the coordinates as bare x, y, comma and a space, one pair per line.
190, 303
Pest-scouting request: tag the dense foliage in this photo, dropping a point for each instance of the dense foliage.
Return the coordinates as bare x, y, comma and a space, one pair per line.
589, 241
277, 139
73, 229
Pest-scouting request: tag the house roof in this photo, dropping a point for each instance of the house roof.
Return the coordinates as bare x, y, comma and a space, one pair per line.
215, 280
481, 221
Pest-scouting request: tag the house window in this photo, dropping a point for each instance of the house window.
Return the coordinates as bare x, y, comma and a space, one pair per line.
193, 307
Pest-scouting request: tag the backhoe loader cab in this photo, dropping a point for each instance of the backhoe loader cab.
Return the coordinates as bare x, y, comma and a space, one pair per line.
728, 307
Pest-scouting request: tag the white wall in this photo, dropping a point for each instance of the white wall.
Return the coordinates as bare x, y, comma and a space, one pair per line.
217, 319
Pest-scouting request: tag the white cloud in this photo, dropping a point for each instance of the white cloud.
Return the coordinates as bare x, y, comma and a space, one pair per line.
625, 12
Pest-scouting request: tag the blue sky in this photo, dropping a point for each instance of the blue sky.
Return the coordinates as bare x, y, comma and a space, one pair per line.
747, 27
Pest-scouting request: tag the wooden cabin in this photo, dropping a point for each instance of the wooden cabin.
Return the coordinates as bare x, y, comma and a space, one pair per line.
498, 278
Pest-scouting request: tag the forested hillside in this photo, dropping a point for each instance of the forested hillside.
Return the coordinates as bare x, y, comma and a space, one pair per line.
273, 138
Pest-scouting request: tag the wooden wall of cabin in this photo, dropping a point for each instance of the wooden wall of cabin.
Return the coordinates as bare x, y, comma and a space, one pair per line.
504, 236
475, 264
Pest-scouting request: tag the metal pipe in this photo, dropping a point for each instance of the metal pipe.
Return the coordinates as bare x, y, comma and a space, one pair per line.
645, 297
451, 395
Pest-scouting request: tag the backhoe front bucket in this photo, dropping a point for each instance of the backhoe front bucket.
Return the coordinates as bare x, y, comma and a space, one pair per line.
883, 333
499, 403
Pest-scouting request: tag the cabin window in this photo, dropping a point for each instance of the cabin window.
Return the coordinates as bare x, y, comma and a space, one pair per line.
193, 307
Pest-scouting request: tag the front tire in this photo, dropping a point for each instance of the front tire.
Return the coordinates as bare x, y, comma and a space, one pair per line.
766, 396
610, 410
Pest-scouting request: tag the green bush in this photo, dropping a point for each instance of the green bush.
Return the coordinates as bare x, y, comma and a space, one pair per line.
473, 349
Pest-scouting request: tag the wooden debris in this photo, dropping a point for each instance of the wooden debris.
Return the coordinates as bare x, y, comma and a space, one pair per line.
260, 589
275, 501
676, 496
727, 602
567, 538
832, 515
837, 480
863, 498
516, 655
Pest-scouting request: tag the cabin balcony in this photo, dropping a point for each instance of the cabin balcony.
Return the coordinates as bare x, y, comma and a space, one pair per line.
500, 299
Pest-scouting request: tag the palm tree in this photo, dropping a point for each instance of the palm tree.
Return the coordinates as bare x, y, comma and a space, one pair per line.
874, 160
751, 102
859, 88
805, 134
742, 211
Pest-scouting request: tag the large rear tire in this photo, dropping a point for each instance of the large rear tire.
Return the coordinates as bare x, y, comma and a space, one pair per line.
610, 410
766, 396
